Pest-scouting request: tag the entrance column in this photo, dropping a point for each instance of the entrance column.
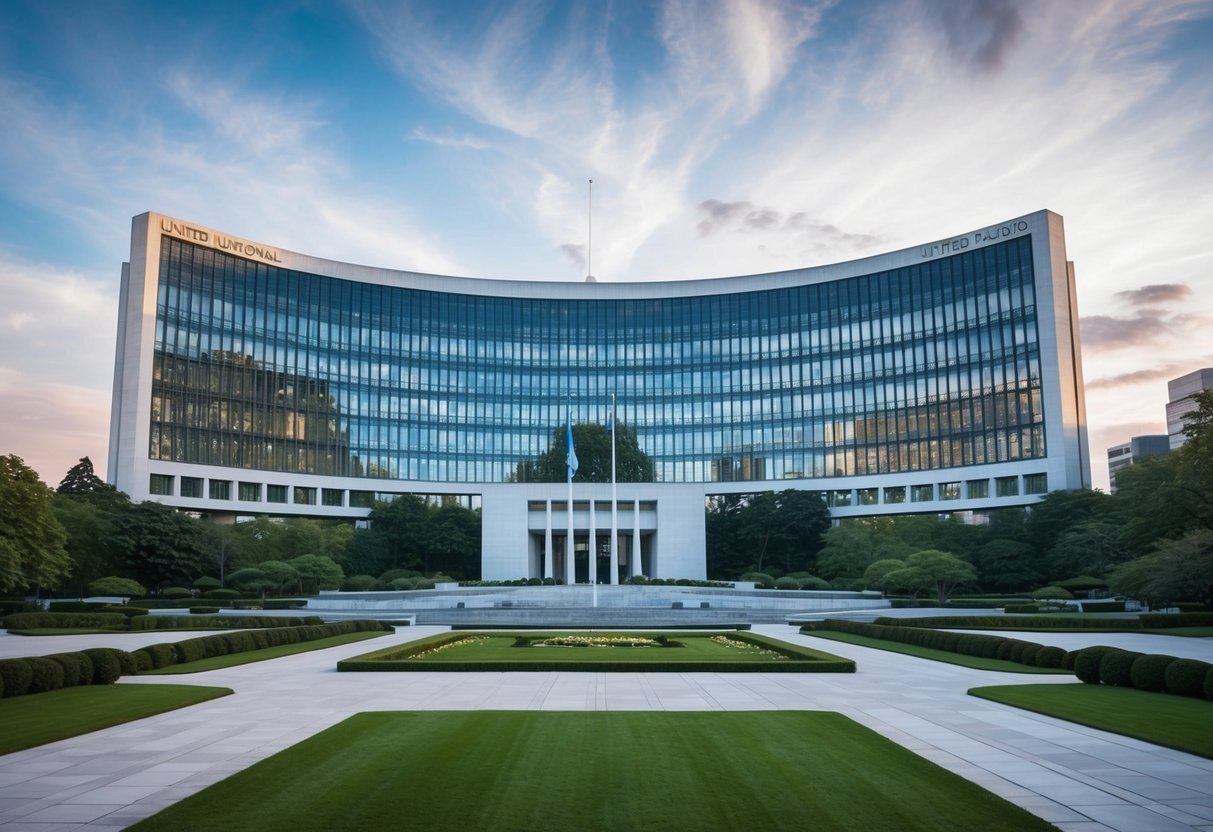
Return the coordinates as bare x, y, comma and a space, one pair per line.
547, 541
634, 561
592, 549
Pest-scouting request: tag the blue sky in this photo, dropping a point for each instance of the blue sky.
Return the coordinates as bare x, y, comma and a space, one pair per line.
726, 137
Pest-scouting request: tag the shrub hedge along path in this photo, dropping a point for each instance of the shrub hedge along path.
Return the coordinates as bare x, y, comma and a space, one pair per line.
595, 772
1062, 772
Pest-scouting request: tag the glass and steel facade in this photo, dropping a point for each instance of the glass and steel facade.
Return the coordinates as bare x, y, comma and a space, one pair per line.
930, 366
900, 382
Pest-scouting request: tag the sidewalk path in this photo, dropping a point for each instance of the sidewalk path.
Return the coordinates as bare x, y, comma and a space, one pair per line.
1080, 779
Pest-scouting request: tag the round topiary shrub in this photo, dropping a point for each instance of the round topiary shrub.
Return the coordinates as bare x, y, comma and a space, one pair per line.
1208, 684
1050, 657
1004, 649
1115, 667
1087, 661
1028, 656
1067, 661
174, 592
787, 583
77, 669
106, 665
16, 675
1185, 677
47, 675
1149, 672
1017, 648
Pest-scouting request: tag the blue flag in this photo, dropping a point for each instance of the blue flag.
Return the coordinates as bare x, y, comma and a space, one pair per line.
569, 451
610, 425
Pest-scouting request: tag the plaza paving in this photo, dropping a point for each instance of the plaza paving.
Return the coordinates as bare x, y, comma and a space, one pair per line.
1080, 779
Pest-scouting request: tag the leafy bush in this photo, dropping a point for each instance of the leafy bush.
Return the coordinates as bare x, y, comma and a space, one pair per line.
176, 592
1028, 655
1152, 621
522, 641
113, 585
203, 610
206, 582
359, 583
1087, 662
1021, 609
47, 674
1115, 668
1149, 672
1050, 657
787, 583
1207, 686
1054, 593
107, 666
221, 593
814, 583
1067, 661
48, 620
761, 579
77, 668
1185, 677
15, 677
1103, 606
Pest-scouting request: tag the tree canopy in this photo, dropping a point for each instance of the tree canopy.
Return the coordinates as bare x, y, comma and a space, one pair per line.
592, 443
32, 551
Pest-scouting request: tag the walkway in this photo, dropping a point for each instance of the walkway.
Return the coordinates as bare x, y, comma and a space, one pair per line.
1081, 779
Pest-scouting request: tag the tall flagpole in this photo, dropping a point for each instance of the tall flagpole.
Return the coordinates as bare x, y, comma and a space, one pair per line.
614, 502
589, 233
570, 564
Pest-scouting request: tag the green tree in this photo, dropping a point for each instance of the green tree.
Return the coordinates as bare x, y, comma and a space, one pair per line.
1086, 549
876, 575
317, 572
1060, 511
592, 442
163, 546
278, 574
1005, 565
763, 531
32, 550
1177, 570
223, 544
941, 570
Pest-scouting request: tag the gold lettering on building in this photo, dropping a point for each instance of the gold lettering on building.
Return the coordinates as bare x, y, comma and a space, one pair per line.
220, 241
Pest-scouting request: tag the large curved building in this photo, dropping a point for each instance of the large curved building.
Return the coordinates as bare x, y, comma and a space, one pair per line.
254, 380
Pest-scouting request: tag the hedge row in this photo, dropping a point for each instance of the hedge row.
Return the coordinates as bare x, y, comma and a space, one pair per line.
1144, 671
1047, 622
968, 644
39, 674
156, 656
182, 622
42, 620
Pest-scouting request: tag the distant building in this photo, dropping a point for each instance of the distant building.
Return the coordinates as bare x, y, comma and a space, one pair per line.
1136, 450
1180, 392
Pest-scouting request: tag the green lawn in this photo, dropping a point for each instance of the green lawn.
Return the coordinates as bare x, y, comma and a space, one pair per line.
35, 719
233, 659
707, 651
1190, 632
1178, 722
650, 771
975, 662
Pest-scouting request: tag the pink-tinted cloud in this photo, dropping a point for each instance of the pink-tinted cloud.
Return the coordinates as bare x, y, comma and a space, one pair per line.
1155, 294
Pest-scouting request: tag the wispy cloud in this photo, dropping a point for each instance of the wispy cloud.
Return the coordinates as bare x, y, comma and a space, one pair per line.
980, 33
422, 134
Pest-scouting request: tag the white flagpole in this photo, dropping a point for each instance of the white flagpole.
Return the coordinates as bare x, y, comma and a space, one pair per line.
570, 564
614, 501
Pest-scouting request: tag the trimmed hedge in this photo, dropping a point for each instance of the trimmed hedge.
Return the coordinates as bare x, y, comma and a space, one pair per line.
969, 644
1146, 621
47, 674
63, 620
1115, 668
15, 677
1087, 661
203, 610
1149, 672
223, 644
1185, 677
179, 622
107, 664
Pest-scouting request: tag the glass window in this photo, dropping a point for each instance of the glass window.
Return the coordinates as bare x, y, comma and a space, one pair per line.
1006, 486
949, 491
250, 492
191, 486
895, 494
840, 498
868, 496
161, 484
220, 489
275, 493
977, 489
305, 496
922, 493
333, 497
362, 499
1035, 483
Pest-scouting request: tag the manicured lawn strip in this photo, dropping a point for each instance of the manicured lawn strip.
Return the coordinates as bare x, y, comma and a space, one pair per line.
1192, 632
39, 718
1177, 722
974, 662
487, 651
234, 659
594, 772
68, 631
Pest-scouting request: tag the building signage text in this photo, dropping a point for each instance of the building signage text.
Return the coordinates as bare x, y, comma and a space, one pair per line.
217, 240
987, 235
